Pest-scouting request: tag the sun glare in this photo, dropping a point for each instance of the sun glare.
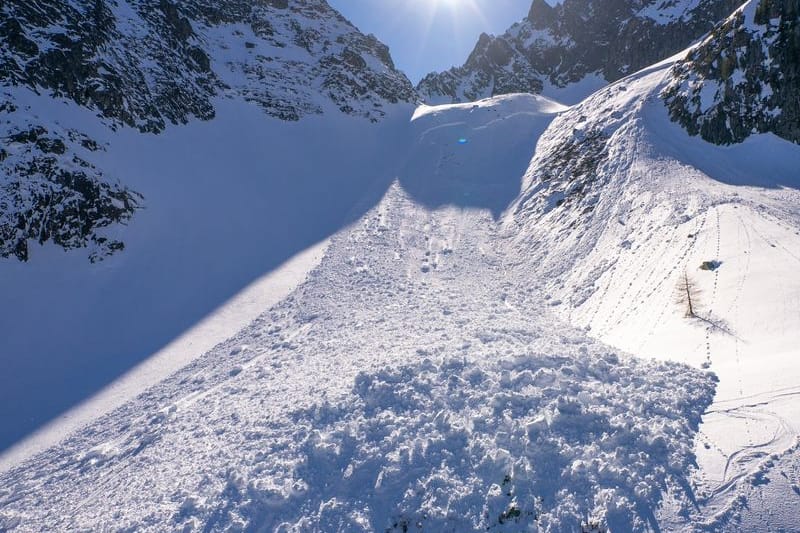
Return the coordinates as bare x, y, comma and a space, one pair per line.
454, 3
457, 10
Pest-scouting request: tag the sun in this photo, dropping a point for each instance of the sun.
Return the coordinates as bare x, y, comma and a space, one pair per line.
457, 9
471, 5
453, 3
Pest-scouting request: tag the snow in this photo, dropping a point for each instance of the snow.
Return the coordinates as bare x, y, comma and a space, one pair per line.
225, 202
663, 203
418, 376
221, 324
449, 164
666, 11
444, 380
576, 92
457, 360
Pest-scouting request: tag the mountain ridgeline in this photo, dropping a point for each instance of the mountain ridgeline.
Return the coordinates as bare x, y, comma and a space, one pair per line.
562, 45
147, 64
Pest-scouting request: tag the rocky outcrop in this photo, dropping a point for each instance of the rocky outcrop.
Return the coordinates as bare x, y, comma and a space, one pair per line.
744, 78
149, 63
559, 46
50, 192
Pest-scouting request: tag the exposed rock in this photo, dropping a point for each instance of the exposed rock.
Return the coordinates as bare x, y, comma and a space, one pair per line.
50, 194
564, 173
744, 78
564, 44
148, 63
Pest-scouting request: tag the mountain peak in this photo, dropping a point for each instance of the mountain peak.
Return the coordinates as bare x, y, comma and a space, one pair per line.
150, 64
556, 46
541, 14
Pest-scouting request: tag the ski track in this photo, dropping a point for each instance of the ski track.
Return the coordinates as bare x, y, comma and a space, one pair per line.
670, 190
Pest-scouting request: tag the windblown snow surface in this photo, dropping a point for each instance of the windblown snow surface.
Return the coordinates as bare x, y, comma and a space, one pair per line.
417, 381
447, 366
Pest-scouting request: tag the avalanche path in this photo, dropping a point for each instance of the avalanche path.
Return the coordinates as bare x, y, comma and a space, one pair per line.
416, 381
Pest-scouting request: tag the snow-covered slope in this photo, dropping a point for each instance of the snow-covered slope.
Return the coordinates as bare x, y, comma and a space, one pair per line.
416, 381
170, 130
572, 48
226, 201
619, 205
447, 366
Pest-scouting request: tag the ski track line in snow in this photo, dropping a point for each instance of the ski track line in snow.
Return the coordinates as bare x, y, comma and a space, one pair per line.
783, 437
749, 459
638, 300
713, 299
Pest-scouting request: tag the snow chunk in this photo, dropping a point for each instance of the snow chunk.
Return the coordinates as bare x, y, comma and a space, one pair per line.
463, 446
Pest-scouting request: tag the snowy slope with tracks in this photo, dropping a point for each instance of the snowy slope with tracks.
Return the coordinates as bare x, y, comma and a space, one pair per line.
415, 381
459, 359
614, 234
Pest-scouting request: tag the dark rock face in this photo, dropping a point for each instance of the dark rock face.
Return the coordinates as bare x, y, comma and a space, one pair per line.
147, 64
744, 78
50, 192
143, 76
564, 44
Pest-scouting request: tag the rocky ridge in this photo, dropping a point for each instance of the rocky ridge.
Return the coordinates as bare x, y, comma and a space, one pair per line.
562, 45
744, 78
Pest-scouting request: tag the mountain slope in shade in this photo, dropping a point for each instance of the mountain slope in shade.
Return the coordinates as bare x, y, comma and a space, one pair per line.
575, 47
115, 132
744, 78
149, 64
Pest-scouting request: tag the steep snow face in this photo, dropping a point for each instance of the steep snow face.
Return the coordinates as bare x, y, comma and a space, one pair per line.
225, 201
744, 78
413, 382
576, 44
148, 64
618, 206
462, 140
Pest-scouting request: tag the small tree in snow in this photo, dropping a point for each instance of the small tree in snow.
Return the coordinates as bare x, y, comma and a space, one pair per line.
688, 294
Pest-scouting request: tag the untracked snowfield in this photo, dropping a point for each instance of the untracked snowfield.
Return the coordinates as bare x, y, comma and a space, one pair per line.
418, 380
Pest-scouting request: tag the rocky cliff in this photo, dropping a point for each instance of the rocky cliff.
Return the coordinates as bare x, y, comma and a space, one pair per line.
560, 46
744, 78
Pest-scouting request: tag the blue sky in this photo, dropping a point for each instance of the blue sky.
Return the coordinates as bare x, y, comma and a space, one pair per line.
427, 35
